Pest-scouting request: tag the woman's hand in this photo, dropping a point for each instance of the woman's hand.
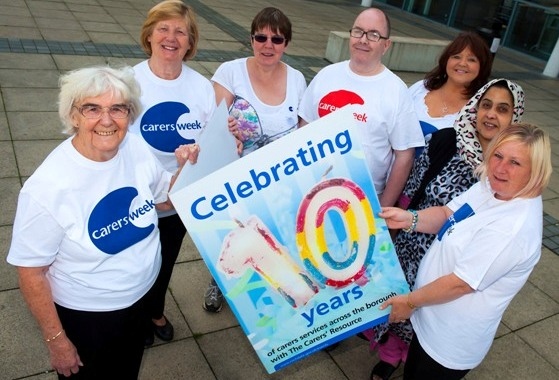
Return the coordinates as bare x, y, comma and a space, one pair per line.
184, 153
233, 125
188, 152
396, 218
400, 308
64, 357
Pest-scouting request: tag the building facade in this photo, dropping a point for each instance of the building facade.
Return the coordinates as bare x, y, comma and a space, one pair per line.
531, 27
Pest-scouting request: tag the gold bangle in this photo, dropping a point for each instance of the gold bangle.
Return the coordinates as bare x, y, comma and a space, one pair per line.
410, 305
48, 340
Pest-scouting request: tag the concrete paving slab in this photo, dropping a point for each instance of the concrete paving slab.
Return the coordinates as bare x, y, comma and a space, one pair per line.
528, 307
26, 99
29, 78
9, 166
35, 126
540, 337
27, 62
4, 130
511, 358
545, 275
183, 360
9, 188
8, 274
22, 351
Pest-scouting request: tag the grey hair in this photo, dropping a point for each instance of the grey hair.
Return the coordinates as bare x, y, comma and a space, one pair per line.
94, 81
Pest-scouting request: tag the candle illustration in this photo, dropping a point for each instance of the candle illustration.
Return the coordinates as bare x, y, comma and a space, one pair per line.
253, 246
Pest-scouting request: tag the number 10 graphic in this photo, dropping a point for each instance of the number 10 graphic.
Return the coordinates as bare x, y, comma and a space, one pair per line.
253, 246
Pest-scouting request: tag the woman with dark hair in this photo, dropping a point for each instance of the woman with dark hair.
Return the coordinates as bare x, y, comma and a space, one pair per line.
464, 66
263, 84
262, 93
443, 171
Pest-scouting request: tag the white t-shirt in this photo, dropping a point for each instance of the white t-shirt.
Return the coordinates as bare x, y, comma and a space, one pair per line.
94, 224
383, 111
273, 120
428, 123
494, 251
174, 111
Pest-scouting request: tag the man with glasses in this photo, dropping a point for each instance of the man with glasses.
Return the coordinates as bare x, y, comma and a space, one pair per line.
388, 127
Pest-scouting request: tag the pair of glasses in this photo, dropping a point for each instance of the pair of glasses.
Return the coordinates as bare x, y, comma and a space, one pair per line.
94, 111
372, 35
276, 40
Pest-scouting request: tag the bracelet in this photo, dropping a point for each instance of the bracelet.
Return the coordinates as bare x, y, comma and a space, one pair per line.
410, 305
48, 340
414, 219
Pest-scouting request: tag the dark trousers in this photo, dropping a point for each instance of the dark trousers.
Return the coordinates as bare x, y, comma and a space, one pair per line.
420, 366
110, 344
171, 234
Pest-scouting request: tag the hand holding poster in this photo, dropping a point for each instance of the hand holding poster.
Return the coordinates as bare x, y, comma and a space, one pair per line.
290, 235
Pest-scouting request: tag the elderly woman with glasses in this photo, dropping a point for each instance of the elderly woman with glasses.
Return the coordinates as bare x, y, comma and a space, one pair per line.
85, 239
262, 93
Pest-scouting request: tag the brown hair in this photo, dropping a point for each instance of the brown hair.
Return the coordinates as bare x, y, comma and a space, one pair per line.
437, 77
275, 19
167, 10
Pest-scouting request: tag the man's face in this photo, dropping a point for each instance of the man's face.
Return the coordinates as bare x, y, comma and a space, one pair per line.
363, 51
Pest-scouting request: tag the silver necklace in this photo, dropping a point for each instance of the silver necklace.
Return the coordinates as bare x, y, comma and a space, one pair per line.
445, 108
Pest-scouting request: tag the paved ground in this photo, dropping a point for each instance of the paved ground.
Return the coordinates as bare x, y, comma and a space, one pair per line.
40, 39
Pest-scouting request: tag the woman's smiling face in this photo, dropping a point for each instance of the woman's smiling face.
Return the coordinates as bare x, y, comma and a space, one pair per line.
495, 110
99, 139
509, 169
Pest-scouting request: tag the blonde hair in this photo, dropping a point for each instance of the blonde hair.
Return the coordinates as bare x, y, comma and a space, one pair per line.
167, 10
537, 141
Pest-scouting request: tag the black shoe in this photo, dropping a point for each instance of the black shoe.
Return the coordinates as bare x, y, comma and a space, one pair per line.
165, 332
382, 370
148, 340
362, 336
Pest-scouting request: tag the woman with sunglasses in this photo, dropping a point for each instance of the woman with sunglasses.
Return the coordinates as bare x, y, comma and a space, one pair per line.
262, 93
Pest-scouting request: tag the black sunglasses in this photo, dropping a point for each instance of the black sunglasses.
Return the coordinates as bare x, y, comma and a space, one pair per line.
276, 40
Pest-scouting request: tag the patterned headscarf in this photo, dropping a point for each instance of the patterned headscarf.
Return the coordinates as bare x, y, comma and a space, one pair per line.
467, 141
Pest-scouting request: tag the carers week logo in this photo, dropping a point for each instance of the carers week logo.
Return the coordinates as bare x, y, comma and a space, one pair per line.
167, 125
337, 99
116, 221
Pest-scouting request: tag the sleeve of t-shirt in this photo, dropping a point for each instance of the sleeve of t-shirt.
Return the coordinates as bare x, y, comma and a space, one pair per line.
406, 131
308, 109
224, 76
36, 234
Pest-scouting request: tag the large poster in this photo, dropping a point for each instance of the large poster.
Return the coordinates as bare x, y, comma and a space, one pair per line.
291, 236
